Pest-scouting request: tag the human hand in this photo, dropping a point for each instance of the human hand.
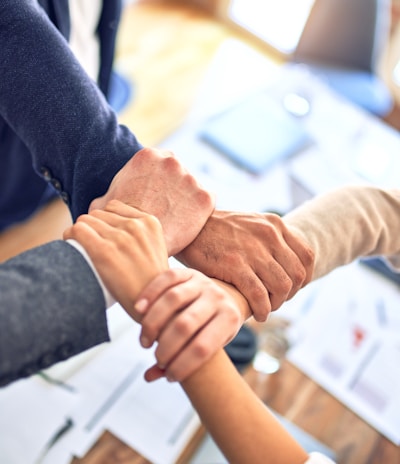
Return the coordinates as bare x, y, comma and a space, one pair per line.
190, 316
254, 252
154, 181
126, 246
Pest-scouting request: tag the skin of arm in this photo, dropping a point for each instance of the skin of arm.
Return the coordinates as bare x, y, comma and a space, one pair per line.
176, 298
239, 422
254, 252
155, 181
104, 236
241, 425
188, 338
58, 307
339, 226
368, 219
125, 242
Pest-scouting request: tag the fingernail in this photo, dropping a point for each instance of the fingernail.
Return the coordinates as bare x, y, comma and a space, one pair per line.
170, 378
141, 305
145, 342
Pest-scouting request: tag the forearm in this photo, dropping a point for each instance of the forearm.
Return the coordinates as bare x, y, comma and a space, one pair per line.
55, 108
348, 223
241, 425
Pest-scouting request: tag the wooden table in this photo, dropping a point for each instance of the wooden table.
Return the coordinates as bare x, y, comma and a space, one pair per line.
165, 52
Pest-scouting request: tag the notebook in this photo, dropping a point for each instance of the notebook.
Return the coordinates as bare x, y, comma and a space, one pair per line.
256, 133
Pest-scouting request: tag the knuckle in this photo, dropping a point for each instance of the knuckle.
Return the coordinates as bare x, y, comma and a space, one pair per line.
201, 349
114, 203
183, 324
309, 257
171, 162
235, 316
299, 276
275, 220
285, 285
78, 227
121, 239
174, 298
171, 273
204, 198
152, 222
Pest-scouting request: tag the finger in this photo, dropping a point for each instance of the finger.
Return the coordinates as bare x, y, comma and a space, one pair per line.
284, 249
112, 218
300, 266
154, 373
158, 286
278, 282
164, 311
86, 235
184, 327
283, 274
304, 253
196, 353
67, 233
255, 291
105, 224
122, 209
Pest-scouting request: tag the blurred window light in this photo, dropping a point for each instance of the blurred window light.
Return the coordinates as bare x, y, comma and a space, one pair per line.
280, 23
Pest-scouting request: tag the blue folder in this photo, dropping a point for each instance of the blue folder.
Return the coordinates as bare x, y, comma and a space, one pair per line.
256, 133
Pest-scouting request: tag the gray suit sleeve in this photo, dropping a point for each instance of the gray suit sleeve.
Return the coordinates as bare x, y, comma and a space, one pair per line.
51, 308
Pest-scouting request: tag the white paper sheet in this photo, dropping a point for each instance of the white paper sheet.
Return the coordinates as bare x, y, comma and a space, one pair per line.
164, 420
32, 411
155, 419
349, 343
106, 392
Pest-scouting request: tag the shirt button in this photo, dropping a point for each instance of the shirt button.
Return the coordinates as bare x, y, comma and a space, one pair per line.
46, 173
56, 184
65, 197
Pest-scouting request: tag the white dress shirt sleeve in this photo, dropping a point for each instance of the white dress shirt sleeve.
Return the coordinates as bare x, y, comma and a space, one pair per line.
108, 298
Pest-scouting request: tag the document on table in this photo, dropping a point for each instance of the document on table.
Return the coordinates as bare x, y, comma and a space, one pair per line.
348, 341
43, 423
31, 412
156, 419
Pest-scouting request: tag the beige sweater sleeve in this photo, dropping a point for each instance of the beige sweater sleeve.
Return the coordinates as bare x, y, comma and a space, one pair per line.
347, 223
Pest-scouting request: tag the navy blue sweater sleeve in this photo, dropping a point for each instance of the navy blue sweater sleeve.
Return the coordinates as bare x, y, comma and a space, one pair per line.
56, 109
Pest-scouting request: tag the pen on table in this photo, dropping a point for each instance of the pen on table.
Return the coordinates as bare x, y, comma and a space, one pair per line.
68, 424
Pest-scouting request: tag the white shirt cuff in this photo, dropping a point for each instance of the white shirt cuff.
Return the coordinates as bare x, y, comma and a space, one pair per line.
108, 298
318, 458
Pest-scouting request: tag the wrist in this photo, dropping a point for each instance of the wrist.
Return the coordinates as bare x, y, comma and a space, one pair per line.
108, 298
